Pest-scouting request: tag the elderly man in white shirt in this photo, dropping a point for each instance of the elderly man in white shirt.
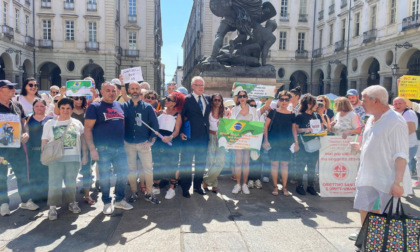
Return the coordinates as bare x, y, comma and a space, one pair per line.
383, 171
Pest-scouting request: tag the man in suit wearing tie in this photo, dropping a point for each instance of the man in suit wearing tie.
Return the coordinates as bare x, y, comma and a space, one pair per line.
196, 110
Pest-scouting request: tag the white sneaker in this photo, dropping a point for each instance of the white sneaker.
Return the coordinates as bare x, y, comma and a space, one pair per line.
108, 209
4, 209
123, 205
354, 236
52, 214
250, 184
74, 207
156, 191
245, 189
266, 179
170, 194
236, 189
258, 184
30, 205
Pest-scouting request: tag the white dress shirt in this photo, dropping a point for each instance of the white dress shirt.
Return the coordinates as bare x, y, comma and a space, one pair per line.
203, 100
383, 142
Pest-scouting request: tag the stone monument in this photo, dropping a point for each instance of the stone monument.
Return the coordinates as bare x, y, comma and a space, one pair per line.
245, 58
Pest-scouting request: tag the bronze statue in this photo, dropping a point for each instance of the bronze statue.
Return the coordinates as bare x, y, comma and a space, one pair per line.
246, 17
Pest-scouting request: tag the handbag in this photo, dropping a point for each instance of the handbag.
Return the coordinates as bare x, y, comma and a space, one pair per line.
54, 150
388, 232
311, 145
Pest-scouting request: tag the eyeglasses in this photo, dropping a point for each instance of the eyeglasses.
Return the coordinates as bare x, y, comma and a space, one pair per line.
76, 98
284, 99
217, 100
150, 97
55, 101
242, 96
33, 85
169, 99
198, 85
9, 87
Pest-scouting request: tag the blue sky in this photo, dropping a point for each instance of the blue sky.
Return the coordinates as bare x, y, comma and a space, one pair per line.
175, 15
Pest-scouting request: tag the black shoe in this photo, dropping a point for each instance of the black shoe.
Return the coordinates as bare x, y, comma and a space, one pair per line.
311, 190
186, 194
300, 190
133, 197
200, 191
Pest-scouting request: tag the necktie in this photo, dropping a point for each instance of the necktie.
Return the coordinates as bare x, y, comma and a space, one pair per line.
200, 103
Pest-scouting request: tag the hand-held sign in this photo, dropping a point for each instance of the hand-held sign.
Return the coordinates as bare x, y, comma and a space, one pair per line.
154, 131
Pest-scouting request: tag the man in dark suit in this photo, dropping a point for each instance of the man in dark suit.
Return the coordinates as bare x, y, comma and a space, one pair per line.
196, 110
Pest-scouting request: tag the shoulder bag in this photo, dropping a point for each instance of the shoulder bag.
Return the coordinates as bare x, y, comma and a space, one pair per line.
311, 145
54, 150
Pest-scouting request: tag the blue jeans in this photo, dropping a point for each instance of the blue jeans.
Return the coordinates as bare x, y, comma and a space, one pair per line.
116, 157
411, 154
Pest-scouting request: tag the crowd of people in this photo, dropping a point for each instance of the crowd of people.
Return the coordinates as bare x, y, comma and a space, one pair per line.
145, 142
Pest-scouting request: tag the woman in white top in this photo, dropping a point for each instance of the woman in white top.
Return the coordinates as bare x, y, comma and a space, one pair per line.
242, 111
27, 95
215, 155
66, 169
346, 122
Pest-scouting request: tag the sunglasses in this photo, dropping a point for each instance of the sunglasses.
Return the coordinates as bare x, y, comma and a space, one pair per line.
242, 96
9, 87
150, 97
76, 98
254, 106
217, 100
284, 99
169, 99
52, 92
33, 85
55, 101
320, 100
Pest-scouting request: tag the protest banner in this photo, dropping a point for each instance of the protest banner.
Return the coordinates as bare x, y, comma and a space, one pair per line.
255, 90
409, 87
10, 131
132, 74
337, 167
78, 88
240, 134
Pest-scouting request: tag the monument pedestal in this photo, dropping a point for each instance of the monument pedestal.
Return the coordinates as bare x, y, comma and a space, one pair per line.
220, 78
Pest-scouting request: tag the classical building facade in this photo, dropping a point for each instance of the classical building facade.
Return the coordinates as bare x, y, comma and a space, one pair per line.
72, 39
327, 45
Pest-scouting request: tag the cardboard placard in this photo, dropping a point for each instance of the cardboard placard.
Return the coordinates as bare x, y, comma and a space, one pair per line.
409, 87
132, 74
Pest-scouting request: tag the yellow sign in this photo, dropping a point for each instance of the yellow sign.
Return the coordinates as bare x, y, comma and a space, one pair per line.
409, 87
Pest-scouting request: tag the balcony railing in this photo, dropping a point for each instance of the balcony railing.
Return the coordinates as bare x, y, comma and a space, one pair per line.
68, 6
301, 54
131, 53
132, 18
343, 3
45, 43
331, 9
284, 17
92, 46
30, 41
46, 5
339, 45
411, 22
303, 17
8, 31
28, 2
369, 36
91, 7
118, 50
321, 14
317, 53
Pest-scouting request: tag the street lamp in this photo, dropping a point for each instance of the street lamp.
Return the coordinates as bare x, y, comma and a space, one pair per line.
395, 67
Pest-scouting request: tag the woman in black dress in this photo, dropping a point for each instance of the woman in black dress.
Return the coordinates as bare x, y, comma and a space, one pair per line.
279, 135
38, 171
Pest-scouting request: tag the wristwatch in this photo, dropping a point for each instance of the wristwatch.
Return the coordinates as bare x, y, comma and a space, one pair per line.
399, 183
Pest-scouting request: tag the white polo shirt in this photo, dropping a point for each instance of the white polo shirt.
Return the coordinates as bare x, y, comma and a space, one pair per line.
383, 142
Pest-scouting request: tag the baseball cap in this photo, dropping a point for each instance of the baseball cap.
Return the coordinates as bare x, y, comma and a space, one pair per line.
116, 82
6, 83
182, 90
352, 92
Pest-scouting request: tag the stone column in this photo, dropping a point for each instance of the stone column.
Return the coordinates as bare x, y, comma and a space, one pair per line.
362, 83
314, 88
327, 86
335, 86
286, 84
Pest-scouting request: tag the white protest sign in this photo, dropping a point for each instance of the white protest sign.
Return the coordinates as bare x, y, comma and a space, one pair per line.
132, 74
337, 167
